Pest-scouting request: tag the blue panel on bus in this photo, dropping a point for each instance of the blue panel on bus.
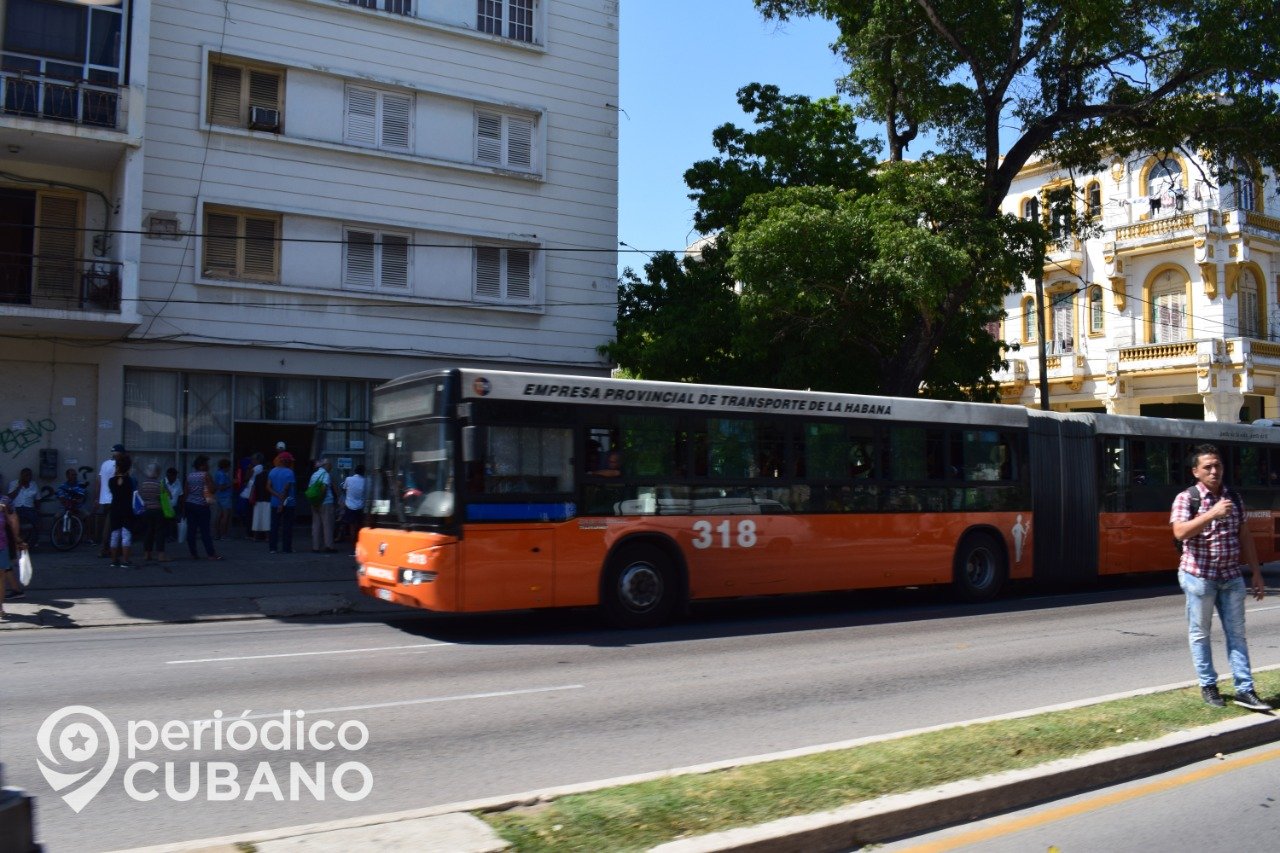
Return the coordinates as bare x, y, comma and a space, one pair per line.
521, 512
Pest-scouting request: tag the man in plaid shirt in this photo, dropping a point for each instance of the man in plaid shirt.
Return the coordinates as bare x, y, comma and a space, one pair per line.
1214, 539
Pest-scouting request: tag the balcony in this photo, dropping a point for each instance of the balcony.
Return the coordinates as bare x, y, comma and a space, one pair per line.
38, 95
53, 286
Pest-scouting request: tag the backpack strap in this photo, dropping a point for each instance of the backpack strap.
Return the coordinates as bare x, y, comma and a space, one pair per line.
1193, 498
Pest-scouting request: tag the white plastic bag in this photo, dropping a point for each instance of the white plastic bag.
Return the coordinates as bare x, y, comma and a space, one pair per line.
25, 569
182, 530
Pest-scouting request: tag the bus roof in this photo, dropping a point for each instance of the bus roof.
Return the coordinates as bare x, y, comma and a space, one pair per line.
721, 399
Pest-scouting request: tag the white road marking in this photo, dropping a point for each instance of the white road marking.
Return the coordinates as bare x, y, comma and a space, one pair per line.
403, 702
307, 654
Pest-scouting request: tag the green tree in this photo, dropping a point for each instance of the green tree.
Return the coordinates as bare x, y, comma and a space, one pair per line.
827, 271
1081, 82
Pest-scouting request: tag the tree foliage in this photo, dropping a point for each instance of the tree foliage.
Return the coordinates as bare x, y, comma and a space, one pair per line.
863, 277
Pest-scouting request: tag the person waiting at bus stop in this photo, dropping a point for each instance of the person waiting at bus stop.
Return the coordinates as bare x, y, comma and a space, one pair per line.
1214, 539
282, 484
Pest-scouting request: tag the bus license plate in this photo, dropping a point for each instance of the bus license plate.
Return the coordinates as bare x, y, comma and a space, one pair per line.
384, 594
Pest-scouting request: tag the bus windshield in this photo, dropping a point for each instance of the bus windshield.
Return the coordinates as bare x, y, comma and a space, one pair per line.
413, 475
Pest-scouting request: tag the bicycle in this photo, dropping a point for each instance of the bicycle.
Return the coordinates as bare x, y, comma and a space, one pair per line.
68, 527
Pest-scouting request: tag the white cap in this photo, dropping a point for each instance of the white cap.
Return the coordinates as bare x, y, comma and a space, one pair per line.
279, 445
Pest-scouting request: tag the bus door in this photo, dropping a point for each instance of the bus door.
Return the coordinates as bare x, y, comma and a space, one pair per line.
507, 566
1115, 524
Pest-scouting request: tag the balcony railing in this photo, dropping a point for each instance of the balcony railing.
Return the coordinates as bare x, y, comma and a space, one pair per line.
74, 284
33, 95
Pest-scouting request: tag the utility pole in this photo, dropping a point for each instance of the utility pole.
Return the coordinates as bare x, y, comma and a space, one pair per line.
1044, 370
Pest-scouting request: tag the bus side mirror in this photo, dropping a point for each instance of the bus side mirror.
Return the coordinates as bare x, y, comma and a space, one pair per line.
469, 443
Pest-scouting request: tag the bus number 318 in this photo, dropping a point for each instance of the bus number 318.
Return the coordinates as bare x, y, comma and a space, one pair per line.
706, 538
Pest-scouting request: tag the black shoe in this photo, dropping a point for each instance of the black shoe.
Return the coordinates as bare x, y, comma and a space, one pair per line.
1212, 696
115, 564
1249, 699
127, 565
14, 596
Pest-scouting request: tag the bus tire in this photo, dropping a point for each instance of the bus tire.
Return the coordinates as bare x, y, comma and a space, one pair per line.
980, 568
639, 587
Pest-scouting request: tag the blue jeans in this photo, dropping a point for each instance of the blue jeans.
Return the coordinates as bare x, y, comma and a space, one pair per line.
281, 528
1228, 597
198, 519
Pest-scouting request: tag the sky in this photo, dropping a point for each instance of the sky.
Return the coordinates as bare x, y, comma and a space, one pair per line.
682, 63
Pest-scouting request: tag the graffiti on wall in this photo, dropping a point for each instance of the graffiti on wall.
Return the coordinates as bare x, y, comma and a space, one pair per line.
18, 437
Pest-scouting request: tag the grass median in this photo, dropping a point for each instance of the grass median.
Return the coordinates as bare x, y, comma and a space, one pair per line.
641, 815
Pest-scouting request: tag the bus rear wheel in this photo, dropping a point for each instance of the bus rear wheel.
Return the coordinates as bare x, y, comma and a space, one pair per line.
638, 589
980, 569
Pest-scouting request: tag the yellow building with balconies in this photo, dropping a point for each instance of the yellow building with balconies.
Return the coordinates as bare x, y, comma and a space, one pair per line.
1161, 291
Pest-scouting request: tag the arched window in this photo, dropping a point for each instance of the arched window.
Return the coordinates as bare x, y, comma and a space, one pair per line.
1093, 199
1029, 320
1168, 308
1247, 303
1164, 177
1031, 209
1062, 329
1060, 209
1095, 310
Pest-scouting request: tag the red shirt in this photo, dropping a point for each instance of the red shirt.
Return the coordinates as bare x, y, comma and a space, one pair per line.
1214, 553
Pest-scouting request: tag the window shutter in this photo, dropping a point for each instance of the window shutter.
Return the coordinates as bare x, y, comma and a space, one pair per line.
395, 260
264, 89
360, 254
362, 107
488, 272
395, 120
519, 143
519, 273
489, 138
260, 247
220, 244
56, 242
224, 95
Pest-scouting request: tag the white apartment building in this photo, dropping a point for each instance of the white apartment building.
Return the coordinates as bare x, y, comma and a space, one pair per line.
222, 223
1168, 306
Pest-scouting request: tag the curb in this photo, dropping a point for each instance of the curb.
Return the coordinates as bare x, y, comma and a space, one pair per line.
904, 815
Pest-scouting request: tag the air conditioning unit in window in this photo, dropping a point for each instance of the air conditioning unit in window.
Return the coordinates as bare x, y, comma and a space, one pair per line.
264, 118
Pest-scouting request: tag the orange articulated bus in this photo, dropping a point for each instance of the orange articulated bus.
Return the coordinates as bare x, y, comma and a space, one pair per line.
495, 490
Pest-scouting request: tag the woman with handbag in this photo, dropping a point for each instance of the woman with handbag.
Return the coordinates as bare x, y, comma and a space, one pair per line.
120, 515
9, 535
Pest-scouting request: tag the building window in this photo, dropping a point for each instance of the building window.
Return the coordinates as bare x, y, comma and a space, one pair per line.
62, 61
518, 15
504, 140
1060, 213
376, 119
398, 7
376, 260
1168, 309
1096, 318
1031, 209
1093, 199
1164, 185
241, 244
1029, 331
1062, 331
1247, 303
504, 275
246, 96
1244, 192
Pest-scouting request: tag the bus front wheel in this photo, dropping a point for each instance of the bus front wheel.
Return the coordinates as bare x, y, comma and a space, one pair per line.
639, 587
980, 568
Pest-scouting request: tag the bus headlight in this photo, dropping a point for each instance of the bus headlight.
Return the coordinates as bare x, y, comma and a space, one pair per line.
413, 577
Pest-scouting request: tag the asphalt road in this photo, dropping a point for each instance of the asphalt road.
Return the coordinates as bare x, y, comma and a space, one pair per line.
463, 708
1231, 802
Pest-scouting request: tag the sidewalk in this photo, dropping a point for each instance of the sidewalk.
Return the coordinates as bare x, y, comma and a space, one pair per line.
79, 589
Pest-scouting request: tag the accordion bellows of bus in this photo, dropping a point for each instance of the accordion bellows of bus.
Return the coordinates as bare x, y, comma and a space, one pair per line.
497, 490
